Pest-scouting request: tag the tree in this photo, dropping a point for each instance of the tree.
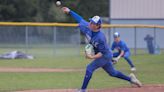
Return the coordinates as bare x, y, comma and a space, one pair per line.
18, 10
87, 8
47, 11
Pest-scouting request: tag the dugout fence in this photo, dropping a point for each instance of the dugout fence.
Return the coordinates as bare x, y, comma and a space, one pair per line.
60, 39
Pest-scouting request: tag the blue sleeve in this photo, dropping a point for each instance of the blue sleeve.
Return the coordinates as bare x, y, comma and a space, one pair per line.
77, 17
83, 25
122, 46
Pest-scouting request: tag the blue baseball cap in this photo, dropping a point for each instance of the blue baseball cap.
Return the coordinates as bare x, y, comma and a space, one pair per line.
96, 20
116, 35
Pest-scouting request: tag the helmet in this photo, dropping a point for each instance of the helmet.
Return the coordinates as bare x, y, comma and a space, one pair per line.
96, 20
116, 35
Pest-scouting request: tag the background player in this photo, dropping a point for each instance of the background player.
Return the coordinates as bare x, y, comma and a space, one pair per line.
123, 50
103, 55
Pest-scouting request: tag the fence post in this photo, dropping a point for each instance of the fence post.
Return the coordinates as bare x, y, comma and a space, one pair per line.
54, 39
114, 29
154, 36
79, 43
109, 29
26, 39
109, 36
135, 40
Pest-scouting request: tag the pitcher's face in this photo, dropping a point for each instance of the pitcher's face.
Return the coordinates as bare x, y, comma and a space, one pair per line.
94, 27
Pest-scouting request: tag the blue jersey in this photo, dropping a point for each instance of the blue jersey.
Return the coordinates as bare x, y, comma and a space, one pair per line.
97, 39
121, 45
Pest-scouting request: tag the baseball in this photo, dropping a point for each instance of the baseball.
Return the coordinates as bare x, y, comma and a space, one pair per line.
58, 3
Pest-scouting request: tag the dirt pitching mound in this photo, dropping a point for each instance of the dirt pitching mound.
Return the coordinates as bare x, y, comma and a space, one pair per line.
145, 88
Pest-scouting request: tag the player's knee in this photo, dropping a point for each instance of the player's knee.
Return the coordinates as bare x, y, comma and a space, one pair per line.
113, 73
88, 74
126, 57
90, 68
115, 54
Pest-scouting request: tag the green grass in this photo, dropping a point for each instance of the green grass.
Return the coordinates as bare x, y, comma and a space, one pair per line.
150, 70
22, 81
56, 62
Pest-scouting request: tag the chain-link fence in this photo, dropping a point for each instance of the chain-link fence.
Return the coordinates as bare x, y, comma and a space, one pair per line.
52, 41
142, 40
40, 41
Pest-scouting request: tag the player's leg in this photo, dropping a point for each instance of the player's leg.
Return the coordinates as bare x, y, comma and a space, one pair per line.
86, 80
127, 58
90, 69
116, 54
114, 73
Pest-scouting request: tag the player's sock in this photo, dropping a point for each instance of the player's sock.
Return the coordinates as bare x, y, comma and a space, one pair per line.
86, 80
129, 61
122, 76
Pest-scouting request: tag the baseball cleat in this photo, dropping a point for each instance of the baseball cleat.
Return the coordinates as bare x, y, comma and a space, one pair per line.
134, 80
133, 69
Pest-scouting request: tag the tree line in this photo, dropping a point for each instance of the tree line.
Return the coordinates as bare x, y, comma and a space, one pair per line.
47, 11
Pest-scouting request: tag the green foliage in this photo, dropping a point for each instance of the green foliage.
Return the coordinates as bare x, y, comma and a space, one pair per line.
88, 8
47, 11
17, 10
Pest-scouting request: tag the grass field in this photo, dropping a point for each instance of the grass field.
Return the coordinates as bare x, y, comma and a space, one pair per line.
150, 70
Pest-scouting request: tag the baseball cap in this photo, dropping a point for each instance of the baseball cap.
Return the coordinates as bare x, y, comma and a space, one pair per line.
96, 20
116, 34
